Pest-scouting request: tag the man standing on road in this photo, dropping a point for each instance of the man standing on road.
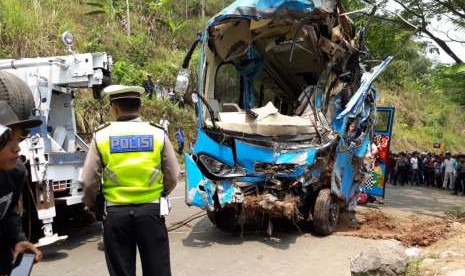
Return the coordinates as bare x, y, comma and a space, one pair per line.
438, 172
12, 179
138, 165
429, 170
414, 163
460, 179
449, 172
402, 165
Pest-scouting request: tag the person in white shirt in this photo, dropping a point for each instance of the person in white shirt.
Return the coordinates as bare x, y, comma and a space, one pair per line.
416, 177
449, 172
164, 122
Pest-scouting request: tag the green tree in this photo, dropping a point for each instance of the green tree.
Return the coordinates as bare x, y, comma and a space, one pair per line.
451, 79
416, 16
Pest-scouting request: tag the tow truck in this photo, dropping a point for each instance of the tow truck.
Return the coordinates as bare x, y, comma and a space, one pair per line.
44, 88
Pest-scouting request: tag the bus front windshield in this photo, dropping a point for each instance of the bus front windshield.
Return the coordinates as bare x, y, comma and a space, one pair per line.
235, 92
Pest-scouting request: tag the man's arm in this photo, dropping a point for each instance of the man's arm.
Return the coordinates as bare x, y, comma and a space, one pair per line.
170, 167
91, 176
17, 240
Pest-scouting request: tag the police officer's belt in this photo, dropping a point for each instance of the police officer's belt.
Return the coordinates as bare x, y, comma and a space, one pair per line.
109, 204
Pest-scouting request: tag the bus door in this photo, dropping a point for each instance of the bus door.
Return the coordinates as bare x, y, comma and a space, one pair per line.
375, 186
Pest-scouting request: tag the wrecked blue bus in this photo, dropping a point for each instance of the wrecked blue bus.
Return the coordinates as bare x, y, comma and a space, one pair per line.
285, 109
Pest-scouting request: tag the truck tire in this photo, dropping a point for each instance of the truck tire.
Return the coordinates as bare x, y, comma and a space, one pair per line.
17, 94
325, 213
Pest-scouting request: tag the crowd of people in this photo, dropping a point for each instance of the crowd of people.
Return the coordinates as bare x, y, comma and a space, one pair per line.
156, 88
442, 171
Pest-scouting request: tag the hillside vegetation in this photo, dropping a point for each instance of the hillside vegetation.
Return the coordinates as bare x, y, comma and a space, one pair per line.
153, 39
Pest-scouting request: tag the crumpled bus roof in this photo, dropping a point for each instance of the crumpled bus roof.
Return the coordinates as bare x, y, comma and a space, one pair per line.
263, 9
315, 67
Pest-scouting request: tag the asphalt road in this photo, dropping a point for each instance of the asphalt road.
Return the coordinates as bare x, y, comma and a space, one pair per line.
201, 249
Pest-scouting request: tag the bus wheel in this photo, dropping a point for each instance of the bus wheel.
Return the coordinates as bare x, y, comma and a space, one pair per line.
325, 213
225, 219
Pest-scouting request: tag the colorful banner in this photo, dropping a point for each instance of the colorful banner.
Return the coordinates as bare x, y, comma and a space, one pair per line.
377, 156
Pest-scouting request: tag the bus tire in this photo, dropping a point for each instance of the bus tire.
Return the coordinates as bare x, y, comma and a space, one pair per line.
325, 213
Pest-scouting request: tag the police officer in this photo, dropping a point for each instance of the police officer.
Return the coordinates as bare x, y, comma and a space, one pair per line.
136, 164
12, 179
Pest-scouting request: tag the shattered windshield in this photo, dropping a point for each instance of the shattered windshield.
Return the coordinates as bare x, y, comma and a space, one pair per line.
234, 92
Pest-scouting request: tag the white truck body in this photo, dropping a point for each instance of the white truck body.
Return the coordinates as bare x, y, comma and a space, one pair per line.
54, 150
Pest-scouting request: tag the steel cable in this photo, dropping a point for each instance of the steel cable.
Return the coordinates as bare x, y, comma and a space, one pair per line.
185, 221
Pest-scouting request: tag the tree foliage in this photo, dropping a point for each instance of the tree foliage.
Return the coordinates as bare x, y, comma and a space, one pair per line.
451, 80
427, 98
417, 16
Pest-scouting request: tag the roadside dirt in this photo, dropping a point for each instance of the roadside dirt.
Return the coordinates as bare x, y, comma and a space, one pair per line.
439, 233
410, 229
447, 256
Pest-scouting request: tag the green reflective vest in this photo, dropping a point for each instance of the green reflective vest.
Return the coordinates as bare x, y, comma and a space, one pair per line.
131, 156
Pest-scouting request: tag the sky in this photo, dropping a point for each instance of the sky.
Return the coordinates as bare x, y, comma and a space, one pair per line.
459, 49
438, 28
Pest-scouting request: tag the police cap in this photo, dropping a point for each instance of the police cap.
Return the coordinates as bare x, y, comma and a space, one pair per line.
123, 92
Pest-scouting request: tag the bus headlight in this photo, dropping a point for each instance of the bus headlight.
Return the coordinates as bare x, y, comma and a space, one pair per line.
219, 169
